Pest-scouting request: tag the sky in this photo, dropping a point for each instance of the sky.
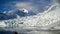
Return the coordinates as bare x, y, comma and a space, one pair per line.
12, 8
31, 5
50, 16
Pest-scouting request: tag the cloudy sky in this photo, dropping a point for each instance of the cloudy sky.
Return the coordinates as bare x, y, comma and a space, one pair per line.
47, 7
46, 13
31, 5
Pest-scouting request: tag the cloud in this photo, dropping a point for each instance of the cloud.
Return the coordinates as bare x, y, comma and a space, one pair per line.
43, 19
2, 24
27, 5
47, 19
35, 6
